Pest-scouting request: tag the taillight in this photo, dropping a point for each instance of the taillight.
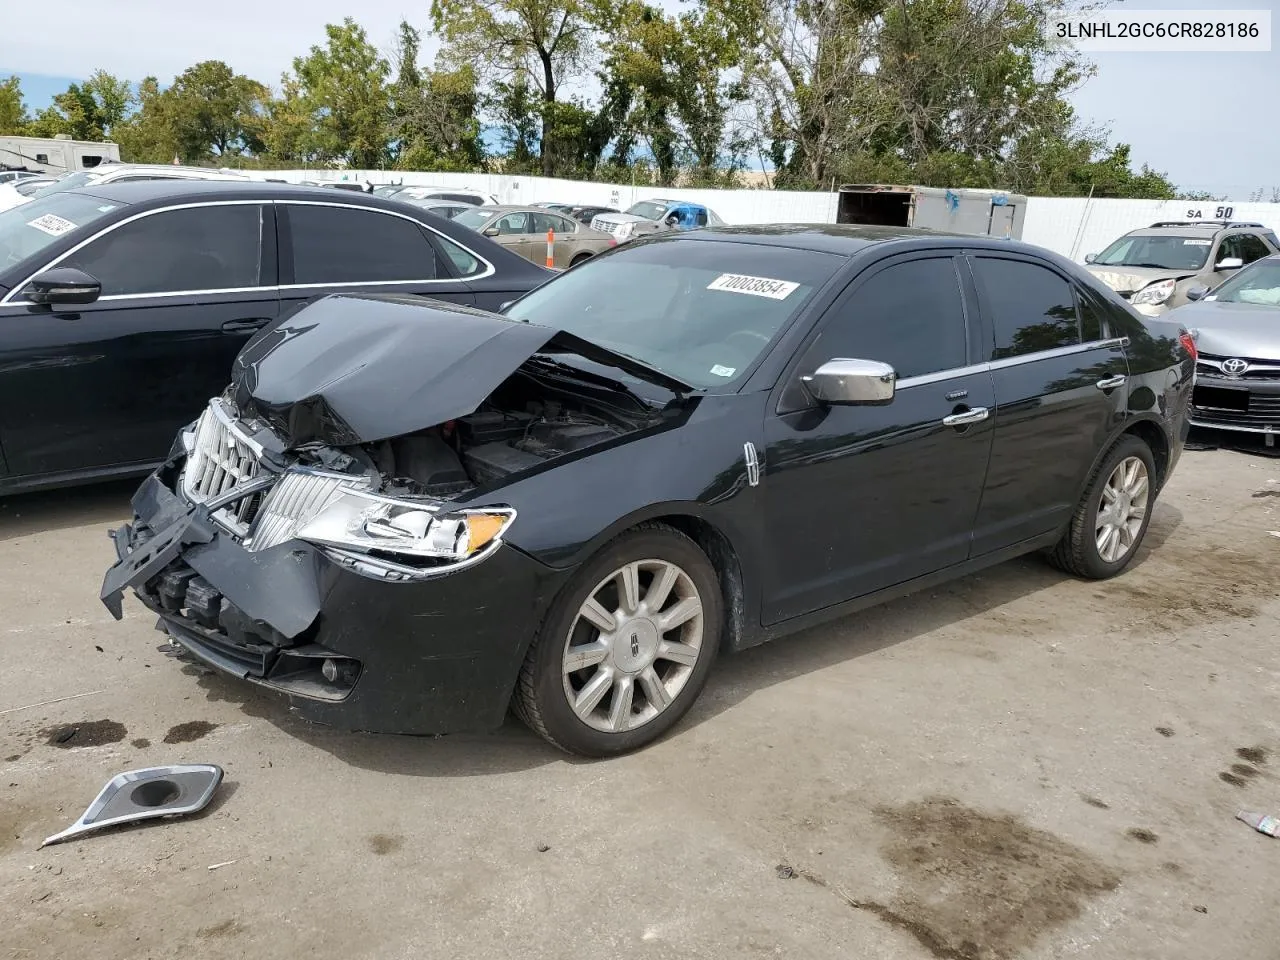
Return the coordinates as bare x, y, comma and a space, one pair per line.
1189, 344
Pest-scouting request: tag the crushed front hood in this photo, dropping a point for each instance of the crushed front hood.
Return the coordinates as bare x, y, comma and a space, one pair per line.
357, 369
1130, 279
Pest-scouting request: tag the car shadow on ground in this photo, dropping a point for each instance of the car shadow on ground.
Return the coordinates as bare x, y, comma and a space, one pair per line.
24, 514
736, 677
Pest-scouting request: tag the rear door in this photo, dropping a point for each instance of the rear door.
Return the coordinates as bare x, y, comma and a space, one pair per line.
566, 237
106, 384
1060, 390
342, 248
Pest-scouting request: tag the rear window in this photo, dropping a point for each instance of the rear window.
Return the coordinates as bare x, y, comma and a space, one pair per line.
28, 229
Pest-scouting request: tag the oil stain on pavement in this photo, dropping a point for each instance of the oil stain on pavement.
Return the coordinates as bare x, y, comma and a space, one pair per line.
980, 887
86, 733
190, 731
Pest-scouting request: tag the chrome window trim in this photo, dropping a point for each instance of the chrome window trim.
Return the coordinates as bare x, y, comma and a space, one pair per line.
9, 297
12, 296
489, 270
1006, 362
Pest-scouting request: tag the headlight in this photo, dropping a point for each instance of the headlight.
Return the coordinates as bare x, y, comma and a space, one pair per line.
405, 530
624, 230
388, 535
1155, 293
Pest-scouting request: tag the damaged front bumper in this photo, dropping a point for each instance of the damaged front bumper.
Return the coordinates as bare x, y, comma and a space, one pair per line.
425, 656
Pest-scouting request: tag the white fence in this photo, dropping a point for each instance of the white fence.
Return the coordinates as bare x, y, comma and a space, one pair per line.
1071, 226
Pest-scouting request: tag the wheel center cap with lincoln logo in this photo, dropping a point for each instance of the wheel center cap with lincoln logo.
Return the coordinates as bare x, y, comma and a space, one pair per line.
1234, 367
635, 645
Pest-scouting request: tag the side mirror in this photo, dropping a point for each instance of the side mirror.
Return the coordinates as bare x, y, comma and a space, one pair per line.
1090, 257
63, 285
503, 307
1197, 292
842, 382
490, 231
1229, 263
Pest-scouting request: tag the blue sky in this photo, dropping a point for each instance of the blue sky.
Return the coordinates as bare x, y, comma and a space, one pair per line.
1210, 120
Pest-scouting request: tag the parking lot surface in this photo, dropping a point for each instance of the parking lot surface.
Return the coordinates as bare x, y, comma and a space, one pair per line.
1015, 765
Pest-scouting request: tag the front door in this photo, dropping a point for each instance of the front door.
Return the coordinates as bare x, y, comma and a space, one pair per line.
1061, 390
860, 498
106, 384
566, 240
343, 248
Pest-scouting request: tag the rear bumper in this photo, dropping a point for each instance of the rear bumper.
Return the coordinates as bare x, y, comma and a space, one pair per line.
422, 657
1242, 405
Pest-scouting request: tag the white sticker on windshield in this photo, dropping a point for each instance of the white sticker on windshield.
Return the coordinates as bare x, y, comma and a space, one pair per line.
107, 209
1196, 243
52, 224
720, 371
755, 286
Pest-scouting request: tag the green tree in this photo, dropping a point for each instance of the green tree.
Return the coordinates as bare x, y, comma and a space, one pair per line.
13, 109
148, 136
434, 121
522, 44
337, 104
73, 112
212, 111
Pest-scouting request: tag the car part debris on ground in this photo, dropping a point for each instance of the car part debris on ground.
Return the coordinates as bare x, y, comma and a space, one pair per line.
1261, 822
153, 792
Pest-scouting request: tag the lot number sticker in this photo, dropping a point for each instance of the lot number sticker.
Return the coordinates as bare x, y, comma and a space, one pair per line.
1196, 243
51, 224
753, 286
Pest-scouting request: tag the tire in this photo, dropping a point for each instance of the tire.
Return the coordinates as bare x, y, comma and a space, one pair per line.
1079, 552
640, 652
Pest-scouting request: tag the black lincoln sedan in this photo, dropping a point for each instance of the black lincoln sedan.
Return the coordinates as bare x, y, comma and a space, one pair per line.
408, 516
122, 306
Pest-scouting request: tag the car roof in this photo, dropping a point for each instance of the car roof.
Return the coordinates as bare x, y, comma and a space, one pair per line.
840, 238
1192, 231
114, 167
195, 191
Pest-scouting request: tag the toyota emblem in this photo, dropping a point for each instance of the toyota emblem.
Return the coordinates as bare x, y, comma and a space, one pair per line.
1234, 367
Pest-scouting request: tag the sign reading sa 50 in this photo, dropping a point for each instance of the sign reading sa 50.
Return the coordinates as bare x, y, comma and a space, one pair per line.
1221, 213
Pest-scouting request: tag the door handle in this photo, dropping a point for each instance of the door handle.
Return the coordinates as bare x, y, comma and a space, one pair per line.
974, 415
247, 325
1112, 382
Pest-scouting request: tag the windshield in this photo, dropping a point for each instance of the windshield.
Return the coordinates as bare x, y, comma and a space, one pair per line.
28, 187
28, 229
1164, 253
475, 219
699, 311
1257, 284
69, 182
386, 191
649, 209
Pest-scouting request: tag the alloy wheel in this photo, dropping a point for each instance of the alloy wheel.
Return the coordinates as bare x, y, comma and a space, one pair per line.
633, 645
1122, 509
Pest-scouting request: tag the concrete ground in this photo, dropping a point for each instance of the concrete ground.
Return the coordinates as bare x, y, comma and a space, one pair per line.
1016, 765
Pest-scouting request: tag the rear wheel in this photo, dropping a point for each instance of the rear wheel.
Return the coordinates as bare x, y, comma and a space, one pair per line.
579, 258
627, 646
1112, 517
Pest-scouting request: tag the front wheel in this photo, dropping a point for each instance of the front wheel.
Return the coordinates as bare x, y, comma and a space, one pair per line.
626, 647
1112, 517
579, 258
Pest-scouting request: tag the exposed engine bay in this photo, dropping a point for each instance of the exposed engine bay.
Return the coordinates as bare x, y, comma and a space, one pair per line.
533, 417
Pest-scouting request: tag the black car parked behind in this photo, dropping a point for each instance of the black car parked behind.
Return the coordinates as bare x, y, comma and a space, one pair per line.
122, 306
692, 442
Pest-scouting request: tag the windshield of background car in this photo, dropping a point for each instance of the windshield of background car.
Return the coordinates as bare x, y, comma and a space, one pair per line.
699, 311
1258, 284
28, 229
647, 209
1163, 253
70, 182
474, 219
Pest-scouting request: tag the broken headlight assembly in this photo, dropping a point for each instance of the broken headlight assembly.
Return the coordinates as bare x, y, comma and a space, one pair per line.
1155, 293
382, 535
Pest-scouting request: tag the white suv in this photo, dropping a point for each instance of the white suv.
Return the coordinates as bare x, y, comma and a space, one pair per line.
119, 173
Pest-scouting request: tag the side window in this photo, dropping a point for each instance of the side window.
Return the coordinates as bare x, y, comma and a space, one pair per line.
202, 248
700, 219
513, 223
466, 264
350, 245
1252, 248
459, 197
1030, 307
542, 222
1229, 247
909, 315
1092, 325
42, 158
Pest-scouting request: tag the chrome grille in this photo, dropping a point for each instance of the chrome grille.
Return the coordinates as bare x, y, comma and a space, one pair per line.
298, 498
1258, 369
221, 458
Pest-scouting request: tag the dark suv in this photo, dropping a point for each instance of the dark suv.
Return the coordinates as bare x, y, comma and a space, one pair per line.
404, 515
